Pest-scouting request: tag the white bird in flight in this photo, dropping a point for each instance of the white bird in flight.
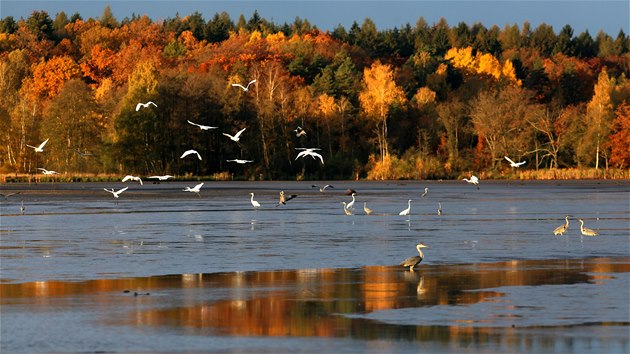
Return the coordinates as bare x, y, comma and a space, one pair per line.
236, 137
322, 189
406, 211
161, 178
115, 193
189, 152
47, 172
132, 178
202, 127
196, 189
255, 204
473, 180
245, 88
514, 164
144, 105
242, 162
309, 152
39, 148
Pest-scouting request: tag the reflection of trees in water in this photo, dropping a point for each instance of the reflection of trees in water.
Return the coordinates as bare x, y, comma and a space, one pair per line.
321, 302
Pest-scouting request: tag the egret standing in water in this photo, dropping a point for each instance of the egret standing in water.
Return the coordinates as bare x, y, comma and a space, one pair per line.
367, 210
414, 261
255, 204
351, 204
408, 210
562, 228
586, 231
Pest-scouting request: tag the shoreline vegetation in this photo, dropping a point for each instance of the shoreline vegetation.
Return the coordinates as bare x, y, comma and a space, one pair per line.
100, 98
522, 175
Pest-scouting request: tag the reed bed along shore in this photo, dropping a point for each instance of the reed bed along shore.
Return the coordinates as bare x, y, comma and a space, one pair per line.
542, 174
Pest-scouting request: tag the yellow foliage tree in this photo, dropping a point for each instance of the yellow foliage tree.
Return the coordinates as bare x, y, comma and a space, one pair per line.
379, 93
599, 114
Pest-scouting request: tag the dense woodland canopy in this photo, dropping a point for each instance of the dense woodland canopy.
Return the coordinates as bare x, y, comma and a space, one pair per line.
421, 101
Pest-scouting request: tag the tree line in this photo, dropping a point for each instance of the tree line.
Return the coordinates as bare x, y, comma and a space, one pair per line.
423, 101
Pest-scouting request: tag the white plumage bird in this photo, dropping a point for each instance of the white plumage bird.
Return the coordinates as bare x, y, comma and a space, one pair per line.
239, 161
514, 164
202, 127
255, 204
39, 148
47, 172
309, 152
132, 178
473, 180
196, 189
408, 210
190, 152
144, 105
245, 88
117, 193
236, 137
161, 178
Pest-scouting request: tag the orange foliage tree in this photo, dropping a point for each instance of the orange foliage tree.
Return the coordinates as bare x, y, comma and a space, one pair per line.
619, 140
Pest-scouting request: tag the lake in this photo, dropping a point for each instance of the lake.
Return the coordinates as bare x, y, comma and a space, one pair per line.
160, 269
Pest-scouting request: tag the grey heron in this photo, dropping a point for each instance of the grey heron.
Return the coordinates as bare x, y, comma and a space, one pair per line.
415, 260
586, 231
284, 199
345, 210
367, 210
562, 228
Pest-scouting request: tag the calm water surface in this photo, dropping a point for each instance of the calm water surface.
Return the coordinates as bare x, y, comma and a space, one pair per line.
212, 274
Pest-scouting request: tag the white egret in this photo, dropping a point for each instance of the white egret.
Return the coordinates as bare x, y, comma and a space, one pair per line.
115, 193
408, 210
439, 209
190, 152
322, 189
39, 148
160, 178
196, 189
245, 88
426, 191
242, 162
562, 228
309, 152
202, 127
132, 178
284, 199
345, 210
351, 204
47, 172
473, 180
414, 261
144, 105
514, 164
586, 231
236, 137
367, 210
255, 204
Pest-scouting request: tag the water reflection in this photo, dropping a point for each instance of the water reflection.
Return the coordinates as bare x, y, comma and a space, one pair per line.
339, 302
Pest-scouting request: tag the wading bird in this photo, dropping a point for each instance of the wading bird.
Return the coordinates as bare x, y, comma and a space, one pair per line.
514, 164
408, 210
236, 137
202, 127
586, 231
345, 210
39, 148
242, 162
22, 208
245, 88
439, 208
161, 178
196, 189
47, 172
562, 228
255, 204
426, 190
144, 105
284, 199
351, 204
473, 180
367, 210
414, 261
117, 193
322, 189
132, 178
190, 152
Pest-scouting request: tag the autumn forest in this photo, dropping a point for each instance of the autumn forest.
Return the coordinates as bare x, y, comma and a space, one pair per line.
424, 101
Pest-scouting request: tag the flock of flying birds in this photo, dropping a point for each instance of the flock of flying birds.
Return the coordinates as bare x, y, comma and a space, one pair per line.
348, 207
